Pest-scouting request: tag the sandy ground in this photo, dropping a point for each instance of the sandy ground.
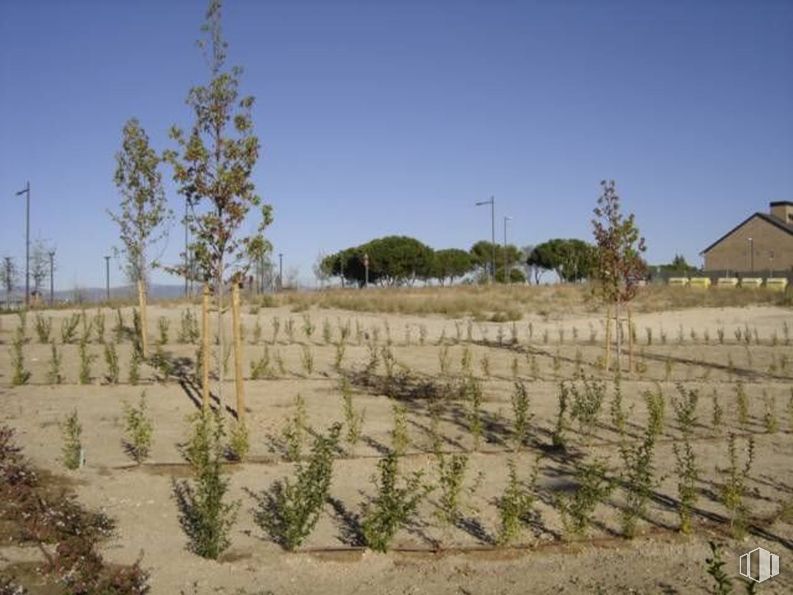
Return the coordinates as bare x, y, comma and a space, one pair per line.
549, 349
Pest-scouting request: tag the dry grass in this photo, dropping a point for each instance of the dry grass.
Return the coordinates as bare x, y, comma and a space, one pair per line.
501, 304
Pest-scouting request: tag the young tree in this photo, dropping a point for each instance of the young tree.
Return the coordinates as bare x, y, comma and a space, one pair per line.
9, 276
213, 167
619, 265
39, 265
144, 210
450, 264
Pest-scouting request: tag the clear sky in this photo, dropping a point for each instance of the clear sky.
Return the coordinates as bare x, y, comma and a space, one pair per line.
394, 117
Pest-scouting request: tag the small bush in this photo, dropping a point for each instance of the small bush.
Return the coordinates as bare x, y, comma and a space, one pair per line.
21, 375
138, 430
86, 359
558, 437
43, 328
69, 328
111, 360
163, 324
400, 440
239, 442
587, 402
307, 359
472, 393
72, 447
733, 490
515, 505
134, 367
686, 469
593, 488
394, 505
522, 417
204, 516
54, 373
451, 481
741, 404
188, 328
289, 511
295, 430
353, 420
260, 368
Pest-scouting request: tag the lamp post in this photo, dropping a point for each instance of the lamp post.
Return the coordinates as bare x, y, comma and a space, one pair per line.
280, 271
492, 203
52, 276
751, 254
366, 269
506, 272
26, 192
107, 279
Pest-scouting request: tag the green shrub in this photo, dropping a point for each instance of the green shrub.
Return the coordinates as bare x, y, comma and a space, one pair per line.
307, 359
289, 510
353, 420
54, 373
686, 469
72, 447
472, 394
733, 490
741, 404
99, 325
522, 417
204, 516
86, 359
239, 442
134, 367
593, 488
260, 368
188, 328
587, 402
21, 375
111, 360
558, 437
138, 430
295, 430
515, 504
394, 505
69, 328
451, 481
43, 328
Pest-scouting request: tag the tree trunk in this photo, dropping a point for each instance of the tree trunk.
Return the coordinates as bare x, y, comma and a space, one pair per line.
608, 338
221, 342
144, 340
618, 330
630, 338
238, 379
205, 332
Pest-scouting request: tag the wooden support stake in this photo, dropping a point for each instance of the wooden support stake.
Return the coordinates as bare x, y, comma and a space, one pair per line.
144, 340
630, 339
205, 348
608, 337
238, 379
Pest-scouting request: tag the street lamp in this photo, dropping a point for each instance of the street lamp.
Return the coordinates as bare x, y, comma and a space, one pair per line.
107, 278
52, 276
26, 191
366, 269
492, 203
280, 271
506, 272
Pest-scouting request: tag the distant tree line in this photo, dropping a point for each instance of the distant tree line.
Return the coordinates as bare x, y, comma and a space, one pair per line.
402, 260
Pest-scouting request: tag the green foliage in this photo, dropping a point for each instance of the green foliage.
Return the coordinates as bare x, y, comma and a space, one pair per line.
134, 367
686, 469
522, 417
21, 375
769, 417
593, 488
733, 490
638, 468
451, 481
394, 505
163, 324
43, 328
308, 326
400, 439
260, 368
450, 264
570, 259
138, 430
239, 442
715, 568
515, 505
72, 449
307, 359
99, 326
204, 516
69, 328
559, 438
289, 510
353, 420
188, 327
741, 404
86, 359
294, 431
143, 207
54, 373
118, 327
618, 262
587, 402
616, 409
111, 360
393, 260
472, 395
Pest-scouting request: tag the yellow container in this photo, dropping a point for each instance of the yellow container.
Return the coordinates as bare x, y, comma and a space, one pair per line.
727, 282
752, 282
776, 283
700, 282
678, 281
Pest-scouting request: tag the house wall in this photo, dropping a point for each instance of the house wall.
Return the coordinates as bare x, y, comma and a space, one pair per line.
783, 211
733, 252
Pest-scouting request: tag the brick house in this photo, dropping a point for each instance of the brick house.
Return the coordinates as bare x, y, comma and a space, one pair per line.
762, 244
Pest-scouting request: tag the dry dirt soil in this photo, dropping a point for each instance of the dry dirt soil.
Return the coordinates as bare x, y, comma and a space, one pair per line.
686, 351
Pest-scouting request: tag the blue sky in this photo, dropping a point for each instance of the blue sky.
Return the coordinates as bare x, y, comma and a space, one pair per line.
394, 117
